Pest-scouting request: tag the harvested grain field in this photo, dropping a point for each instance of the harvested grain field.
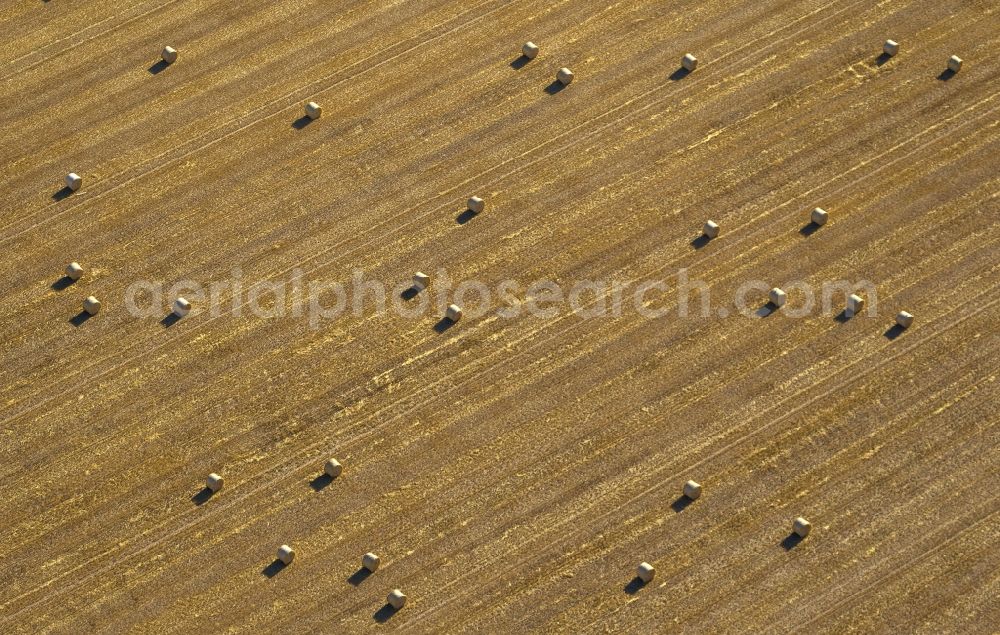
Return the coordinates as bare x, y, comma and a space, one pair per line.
513, 468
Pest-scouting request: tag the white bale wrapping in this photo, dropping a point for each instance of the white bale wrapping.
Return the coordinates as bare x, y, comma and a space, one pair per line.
169, 54
954, 63
530, 50
396, 599
421, 281
92, 305
313, 110
692, 490
904, 319
333, 468
214, 482
819, 216
711, 229
777, 297
74, 271
854, 305
286, 554
801, 527
74, 181
890, 48
646, 572
689, 62
476, 205
181, 307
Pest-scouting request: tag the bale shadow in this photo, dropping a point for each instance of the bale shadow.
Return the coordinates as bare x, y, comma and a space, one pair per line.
946, 75
359, 576
790, 541
679, 74
78, 319
62, 283
320, 482
273, 569
520, 62
810, 228
841, 317
682, 503
465, 217
700, 241
769, 309
62, 194
301, 122
202, 497
893, 332
882, 59
385, 613
443, 325
555, 87
409, 294
634, 586
170, 320
158, 67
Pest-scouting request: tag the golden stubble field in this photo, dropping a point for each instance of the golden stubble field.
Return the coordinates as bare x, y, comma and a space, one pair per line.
510, 472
